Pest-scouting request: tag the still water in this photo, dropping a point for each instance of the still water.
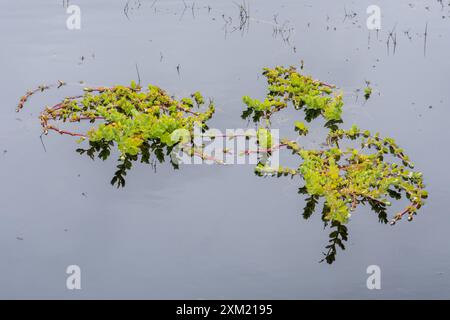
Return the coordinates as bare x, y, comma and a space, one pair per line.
213, 231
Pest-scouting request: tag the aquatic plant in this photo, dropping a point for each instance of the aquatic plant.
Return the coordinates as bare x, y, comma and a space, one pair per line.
288, 87
344, 177
356, 167
367, 90
369, 170
139, 122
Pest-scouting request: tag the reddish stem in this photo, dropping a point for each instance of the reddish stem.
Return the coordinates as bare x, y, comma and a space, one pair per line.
73, 134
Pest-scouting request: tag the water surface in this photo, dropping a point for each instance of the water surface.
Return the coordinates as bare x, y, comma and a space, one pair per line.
211, 231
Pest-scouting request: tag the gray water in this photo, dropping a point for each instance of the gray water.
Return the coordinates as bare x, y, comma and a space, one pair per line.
207, 232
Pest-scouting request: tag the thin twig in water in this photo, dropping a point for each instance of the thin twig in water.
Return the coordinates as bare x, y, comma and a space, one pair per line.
425, 40
244, 17
42, 142
192, 9
184, 10
284, 30
392, 36
350, 15
228, 21
125, 9
138, 75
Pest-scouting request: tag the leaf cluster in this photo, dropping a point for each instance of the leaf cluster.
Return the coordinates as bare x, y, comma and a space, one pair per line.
139, 123
354, 168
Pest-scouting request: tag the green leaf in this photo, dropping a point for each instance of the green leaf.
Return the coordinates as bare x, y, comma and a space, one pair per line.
301, 128
264, 138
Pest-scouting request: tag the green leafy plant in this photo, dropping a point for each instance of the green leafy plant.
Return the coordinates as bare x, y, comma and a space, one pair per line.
140, 123
286, 87
356, 167
367, 91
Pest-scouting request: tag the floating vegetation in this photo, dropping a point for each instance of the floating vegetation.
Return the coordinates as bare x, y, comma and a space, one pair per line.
140, 123
286, 86
356, 167
367, 91
369, 170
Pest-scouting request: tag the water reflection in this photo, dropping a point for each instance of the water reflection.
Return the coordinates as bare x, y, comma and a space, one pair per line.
151, 153
339, 232
157, 153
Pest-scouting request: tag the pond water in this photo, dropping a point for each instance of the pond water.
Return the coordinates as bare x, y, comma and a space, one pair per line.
216, 231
